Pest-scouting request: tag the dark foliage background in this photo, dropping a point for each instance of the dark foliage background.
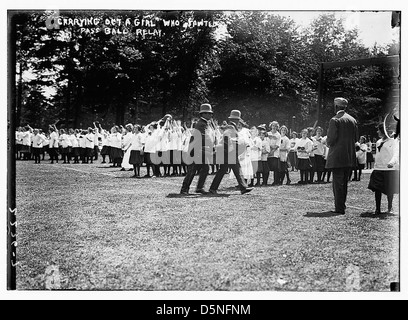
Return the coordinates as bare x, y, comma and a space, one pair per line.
262, 64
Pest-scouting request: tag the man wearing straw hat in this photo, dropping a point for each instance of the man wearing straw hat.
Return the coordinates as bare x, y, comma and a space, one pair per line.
201, 142
230, 149
342, 136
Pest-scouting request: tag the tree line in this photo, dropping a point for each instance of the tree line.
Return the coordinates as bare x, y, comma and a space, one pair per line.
257, 61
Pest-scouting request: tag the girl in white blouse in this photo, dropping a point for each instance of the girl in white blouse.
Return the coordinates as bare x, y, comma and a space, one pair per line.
126, 141
319, 151
89, 144
75, 145
37, 140
385, 177
116, 146
266, 148
256, 154
303, 148
273, 157
283, 155
136, 147
66, 146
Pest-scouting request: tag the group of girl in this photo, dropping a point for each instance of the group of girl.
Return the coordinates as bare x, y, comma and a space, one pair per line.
273, 151
72, 145
269, 149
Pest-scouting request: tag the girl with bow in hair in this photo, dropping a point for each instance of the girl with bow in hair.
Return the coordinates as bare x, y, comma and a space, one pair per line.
385, 177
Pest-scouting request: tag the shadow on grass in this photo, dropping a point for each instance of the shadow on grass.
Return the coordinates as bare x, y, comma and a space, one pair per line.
324, 214
197, 195
381, 216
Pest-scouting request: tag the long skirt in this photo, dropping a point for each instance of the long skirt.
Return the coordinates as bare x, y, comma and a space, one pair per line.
105, 150
320, 163
304, 164
135, 157
246, 165
116, 154
36, 151
273, 163
386, 181
66, 150
76, 152
89, 152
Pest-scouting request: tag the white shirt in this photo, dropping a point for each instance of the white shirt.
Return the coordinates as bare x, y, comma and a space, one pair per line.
54, 139
318, 145
151, 142
116, 140
362, 154
96, 139
74, 140
136, 142
256, 148
305, 143
37, 140
266, 148
26, 138
293, 142
387, 154
274, 141
81, 140
127, 138
284, 148
19, 137
65, 141
89, 140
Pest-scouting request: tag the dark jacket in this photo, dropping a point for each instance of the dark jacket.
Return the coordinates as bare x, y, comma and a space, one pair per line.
205, 144
342, 136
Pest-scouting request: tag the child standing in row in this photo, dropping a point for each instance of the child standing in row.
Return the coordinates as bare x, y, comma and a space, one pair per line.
319, 153
303, 148
283, 156
274, 154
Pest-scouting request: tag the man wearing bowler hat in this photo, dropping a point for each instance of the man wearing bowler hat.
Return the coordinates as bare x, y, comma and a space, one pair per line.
231, 150
342, 136
202, 142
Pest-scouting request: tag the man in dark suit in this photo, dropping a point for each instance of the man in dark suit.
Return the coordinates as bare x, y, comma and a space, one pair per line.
201, 144
342, 136
230, 148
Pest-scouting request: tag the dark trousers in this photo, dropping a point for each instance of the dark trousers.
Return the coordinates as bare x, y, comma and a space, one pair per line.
202, 170
236, 168
340, 181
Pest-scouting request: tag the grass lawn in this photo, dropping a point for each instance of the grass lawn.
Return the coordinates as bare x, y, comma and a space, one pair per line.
102, 230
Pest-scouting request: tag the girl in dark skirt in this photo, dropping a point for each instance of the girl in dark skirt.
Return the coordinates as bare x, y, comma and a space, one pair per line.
292, 153
66, 146
256, 149
303, 148
312, 170
136, 153
319, 152
273, 157
116, 146
105, 145
385, 177
264, 157
75, 153
284, 151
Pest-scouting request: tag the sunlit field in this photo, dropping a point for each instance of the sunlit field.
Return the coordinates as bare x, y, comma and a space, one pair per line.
96, 228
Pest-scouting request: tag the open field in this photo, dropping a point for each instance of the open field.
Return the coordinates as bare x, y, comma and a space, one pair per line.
102, 230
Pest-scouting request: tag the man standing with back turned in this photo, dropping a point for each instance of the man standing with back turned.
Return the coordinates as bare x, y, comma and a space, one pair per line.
342, 136
202, 141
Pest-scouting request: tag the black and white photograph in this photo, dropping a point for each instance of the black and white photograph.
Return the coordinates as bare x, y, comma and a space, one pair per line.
203, 150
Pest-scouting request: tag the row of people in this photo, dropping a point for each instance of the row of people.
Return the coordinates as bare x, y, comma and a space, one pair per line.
268, 149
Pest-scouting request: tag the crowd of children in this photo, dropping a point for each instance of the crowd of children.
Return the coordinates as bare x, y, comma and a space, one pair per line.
269, 149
